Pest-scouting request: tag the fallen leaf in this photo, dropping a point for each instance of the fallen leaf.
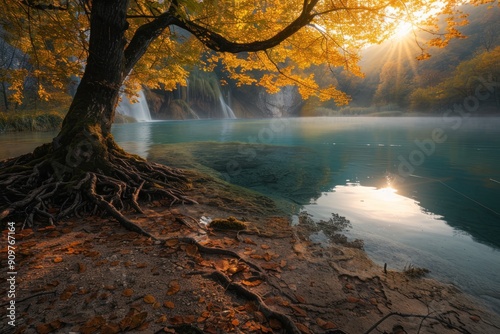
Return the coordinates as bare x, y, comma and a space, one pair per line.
251, 283
127, 292
110, 329
92, 325
133, 321
271, 266
171, 242
169, 304
249, 241
176, 320
44, 329
161, 319
303, 328
300, 299
267, 256
189, 319
66, 295
81, 268
191, 250
475, 318
298, 311
235, 322
149, 299
173, 288
58, 259
236, 269
351, 299
264, 246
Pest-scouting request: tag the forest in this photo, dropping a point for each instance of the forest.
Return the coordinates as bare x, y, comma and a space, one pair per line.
393, 82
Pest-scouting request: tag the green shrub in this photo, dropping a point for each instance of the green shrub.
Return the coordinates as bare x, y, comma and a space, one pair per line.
30, 121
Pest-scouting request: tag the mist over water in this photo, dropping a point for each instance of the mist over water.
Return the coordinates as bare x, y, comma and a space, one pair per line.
419, 191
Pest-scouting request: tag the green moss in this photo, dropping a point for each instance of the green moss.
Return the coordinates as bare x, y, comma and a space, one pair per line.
30, 121
230, 223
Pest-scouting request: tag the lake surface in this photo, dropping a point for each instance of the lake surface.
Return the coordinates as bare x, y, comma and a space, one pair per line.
418, 191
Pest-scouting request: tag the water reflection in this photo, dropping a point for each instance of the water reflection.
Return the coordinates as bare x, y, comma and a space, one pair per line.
444, 216
134, 137
398, 231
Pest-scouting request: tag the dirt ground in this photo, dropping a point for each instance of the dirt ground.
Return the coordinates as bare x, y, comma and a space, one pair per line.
90, 275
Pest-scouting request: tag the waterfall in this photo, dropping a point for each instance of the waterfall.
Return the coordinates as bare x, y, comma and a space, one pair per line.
138, 110
227, 112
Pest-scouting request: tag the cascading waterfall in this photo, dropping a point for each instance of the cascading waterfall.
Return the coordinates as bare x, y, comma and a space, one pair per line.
227, 112
138, 110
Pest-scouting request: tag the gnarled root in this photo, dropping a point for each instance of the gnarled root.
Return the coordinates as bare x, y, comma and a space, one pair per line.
38, 187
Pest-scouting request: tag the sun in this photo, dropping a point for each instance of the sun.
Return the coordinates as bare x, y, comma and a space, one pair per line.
402, 30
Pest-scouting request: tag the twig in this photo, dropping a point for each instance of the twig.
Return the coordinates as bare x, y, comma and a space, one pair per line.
29, 297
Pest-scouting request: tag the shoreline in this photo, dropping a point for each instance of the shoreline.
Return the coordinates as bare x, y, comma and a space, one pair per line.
93, 276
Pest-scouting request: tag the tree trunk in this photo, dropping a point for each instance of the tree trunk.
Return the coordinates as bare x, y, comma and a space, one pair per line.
92, 110
83, 169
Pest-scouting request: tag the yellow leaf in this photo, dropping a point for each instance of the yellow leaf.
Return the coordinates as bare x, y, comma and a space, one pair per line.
251, 283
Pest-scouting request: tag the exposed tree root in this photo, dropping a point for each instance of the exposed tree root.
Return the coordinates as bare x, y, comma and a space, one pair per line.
287, 322
39, 187
440, 318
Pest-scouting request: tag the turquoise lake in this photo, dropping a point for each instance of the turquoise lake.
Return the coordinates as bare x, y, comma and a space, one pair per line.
418, 191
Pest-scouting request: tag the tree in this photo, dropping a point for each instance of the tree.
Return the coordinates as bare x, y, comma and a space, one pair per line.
117, 42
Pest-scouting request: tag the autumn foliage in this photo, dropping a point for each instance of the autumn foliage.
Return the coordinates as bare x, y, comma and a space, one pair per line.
54, 37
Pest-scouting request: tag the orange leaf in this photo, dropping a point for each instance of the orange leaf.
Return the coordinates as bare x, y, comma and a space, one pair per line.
249, 241
58, 259
171, 242
81, 268
110, 329
173, 288
169, 304
265, 246
177, 320
298, 311
149, 299
252, 283
127, 292
132, 321
93, 325
66, 295
191, 250
303, 328
161, 319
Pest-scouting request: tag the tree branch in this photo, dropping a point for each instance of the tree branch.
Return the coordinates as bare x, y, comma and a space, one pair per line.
143, 37
43, 6
219, 43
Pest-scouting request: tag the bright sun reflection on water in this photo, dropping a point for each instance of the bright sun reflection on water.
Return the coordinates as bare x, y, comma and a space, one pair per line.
382, 207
